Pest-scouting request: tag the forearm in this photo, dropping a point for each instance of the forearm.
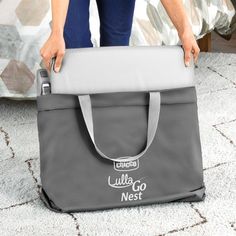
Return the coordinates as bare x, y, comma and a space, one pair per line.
176, 11
59, 12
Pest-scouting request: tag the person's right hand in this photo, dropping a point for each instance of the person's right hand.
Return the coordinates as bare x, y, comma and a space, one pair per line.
53, 47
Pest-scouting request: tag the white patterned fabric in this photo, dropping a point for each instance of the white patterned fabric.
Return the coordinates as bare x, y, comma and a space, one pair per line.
25, 25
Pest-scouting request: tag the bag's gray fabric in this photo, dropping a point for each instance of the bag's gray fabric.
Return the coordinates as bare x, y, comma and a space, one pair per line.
152, 123
75, 176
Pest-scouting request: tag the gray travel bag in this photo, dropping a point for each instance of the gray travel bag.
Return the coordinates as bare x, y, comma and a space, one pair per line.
118, 127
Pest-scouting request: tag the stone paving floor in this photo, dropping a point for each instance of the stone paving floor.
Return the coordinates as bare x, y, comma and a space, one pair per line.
23, 213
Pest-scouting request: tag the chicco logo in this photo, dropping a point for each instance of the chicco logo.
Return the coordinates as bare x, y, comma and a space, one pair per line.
126, 166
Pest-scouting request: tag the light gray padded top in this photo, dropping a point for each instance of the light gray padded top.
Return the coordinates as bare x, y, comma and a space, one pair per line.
122, 69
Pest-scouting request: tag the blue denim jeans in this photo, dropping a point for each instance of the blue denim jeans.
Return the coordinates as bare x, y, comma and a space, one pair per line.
116, 18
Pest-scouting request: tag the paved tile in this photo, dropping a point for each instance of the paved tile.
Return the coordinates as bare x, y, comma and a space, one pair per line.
216, 59
34, 169
34, 166
216, 148
17, 112
24, 140
229, 72
17, 185
207, 229
215, 108
149, 220
229, 131
6, 150
34, 219
233, 226
219, 205
209, 81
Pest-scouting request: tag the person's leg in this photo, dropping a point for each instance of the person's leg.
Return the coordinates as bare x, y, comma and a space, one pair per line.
116, 17
76, 31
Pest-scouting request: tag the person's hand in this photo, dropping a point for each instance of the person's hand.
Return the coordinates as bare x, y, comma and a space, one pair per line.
54, 47
189, 45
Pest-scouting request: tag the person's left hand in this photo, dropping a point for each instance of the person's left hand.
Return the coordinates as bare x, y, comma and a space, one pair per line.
189, 45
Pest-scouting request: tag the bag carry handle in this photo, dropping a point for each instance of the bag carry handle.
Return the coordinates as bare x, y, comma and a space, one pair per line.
153, 118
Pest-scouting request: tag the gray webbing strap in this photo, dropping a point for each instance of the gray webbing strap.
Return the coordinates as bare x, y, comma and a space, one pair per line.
153, 118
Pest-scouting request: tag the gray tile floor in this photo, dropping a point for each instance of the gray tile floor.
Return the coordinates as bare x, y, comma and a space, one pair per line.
22, 212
